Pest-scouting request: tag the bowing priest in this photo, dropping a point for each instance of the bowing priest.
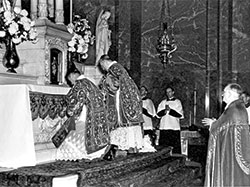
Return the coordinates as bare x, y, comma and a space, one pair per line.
90, 139
124, 106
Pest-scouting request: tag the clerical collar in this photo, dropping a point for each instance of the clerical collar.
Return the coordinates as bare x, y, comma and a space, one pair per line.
171, 99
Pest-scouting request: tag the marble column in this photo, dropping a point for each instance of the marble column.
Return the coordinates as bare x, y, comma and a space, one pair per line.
59, 12
33, 9
42, 8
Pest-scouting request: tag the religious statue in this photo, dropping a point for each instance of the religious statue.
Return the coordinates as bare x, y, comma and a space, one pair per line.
103, 34
54, 71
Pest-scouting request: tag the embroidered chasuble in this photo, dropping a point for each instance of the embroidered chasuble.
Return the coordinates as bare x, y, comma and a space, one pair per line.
124, 108
130, 107
228, 157
86, 104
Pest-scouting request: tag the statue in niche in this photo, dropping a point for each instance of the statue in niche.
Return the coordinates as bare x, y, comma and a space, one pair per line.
54, 71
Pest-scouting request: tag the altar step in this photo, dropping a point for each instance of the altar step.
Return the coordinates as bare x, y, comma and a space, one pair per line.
134, 170
188, 176
170, 172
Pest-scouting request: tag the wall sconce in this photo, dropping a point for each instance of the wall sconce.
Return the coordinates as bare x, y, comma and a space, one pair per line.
166, 43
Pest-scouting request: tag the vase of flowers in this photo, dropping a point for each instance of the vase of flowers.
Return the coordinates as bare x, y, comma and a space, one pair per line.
15, 27
81, 39
11, 59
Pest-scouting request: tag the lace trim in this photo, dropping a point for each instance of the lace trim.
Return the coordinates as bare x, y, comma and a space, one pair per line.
244, 165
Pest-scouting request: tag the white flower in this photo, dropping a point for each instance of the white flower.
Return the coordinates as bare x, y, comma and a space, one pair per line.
7, 15
32, 34
24, 13
16, 40
79, 49
84, 56
24, 20
70, 28
71, 43
17, 10
81, 41
72, 49
2, 34
26, 26
81, 38
13, 28
16, 24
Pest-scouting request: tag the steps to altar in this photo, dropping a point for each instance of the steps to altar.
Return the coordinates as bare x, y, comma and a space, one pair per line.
134, 170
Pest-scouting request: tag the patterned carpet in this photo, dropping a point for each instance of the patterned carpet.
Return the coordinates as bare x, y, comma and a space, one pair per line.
136, 169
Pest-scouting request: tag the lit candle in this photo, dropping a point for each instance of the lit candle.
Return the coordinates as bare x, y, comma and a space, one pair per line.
70, 10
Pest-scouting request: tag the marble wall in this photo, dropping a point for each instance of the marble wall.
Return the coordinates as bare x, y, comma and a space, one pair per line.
188, 65
213, 49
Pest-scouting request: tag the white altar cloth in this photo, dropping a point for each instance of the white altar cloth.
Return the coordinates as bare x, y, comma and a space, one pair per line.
17, 147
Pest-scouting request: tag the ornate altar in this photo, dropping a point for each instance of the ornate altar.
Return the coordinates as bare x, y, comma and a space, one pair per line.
30, 115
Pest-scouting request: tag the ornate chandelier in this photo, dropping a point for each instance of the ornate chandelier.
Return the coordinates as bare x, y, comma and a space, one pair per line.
166, 43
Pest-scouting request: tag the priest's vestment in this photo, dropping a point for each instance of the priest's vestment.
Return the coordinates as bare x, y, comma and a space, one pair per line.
91, 137
228, 157
124, 107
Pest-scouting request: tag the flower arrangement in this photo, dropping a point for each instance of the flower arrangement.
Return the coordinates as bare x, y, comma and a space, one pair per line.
15, 25
82, 36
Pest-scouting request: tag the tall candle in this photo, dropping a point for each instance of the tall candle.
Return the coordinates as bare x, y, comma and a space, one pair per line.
70, 11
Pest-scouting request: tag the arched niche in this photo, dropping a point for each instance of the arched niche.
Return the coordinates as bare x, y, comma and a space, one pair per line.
55, 61
55, 66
